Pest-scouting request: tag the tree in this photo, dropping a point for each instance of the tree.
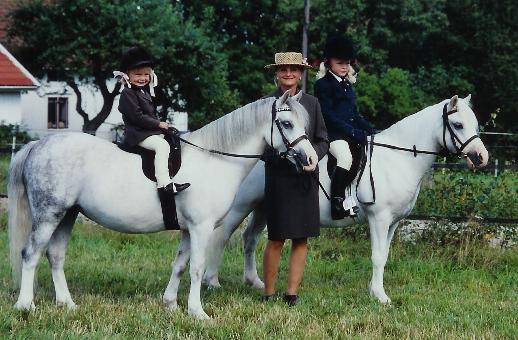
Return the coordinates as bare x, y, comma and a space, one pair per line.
80, 41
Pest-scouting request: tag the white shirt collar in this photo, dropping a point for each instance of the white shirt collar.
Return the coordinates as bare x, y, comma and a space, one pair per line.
337, 77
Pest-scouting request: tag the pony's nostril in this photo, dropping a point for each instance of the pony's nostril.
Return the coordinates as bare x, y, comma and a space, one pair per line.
475, 158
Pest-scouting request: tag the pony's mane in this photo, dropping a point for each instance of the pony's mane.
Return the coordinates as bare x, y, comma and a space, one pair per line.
237, 126
403, 123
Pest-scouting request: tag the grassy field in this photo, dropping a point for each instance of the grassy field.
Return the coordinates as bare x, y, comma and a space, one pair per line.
456, 291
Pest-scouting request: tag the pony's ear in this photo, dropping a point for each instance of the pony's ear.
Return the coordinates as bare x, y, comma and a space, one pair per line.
284, 98
297, 96
453, 103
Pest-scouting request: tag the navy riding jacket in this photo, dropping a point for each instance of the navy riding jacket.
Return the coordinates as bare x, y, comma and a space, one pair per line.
338, 103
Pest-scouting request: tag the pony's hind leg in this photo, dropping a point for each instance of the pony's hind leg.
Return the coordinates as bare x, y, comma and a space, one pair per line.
179, 266
56, 256
250, 238
31, 253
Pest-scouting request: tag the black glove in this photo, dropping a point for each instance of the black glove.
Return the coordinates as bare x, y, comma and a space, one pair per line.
359, 136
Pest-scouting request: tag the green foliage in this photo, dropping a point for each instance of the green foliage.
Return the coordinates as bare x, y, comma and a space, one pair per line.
6, 134
211, 53
388, 97
84, 39
463, 193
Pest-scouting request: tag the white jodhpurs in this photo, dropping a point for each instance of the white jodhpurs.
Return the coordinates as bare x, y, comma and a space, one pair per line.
340, 150
160, 146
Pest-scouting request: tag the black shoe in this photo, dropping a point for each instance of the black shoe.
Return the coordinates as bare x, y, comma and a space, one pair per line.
291, 300
337, 208
175, 188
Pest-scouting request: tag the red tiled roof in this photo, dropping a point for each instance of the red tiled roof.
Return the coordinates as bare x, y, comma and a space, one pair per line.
12, 73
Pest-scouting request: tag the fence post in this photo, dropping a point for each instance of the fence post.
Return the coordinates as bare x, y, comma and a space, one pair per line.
496, 167
13, 145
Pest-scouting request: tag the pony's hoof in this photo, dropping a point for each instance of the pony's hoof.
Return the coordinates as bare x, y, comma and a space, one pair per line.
24, 306
213, 283
199, 314
70, 305
381, 296
254, 282
170, 305
385, 300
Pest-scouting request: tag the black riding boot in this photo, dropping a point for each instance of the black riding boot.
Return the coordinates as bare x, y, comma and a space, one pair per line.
341, 179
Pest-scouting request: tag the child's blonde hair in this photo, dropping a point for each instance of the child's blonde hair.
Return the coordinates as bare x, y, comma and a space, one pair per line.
323, 69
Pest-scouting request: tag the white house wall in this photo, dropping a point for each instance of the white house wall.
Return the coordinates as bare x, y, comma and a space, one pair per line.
35, 109
10, 108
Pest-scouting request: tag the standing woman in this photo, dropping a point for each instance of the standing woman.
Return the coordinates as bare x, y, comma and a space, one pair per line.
347, 129
291, 197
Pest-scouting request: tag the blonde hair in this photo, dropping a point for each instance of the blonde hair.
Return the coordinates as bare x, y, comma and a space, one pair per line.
322, 69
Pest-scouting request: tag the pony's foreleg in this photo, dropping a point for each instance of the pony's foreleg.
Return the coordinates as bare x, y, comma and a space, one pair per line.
38, 240
251, 235
379, 234
200, 235
56, 256
179, 265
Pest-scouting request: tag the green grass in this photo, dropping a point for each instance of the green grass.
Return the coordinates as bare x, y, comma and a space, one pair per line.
465, 291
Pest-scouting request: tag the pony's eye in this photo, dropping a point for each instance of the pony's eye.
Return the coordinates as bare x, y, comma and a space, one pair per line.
458, 126
287, 125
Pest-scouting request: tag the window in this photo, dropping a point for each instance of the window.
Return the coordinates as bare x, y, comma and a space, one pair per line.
58, 113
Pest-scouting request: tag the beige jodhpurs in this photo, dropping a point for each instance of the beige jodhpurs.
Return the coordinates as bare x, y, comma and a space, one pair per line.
160, 146
340, 150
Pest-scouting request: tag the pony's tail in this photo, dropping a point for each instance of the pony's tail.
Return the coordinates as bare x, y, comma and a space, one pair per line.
20, 219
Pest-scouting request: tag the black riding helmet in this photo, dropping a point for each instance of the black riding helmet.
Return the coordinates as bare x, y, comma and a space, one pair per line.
339, 47
135, 57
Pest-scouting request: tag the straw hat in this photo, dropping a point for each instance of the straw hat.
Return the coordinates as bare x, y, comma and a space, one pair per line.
289, 58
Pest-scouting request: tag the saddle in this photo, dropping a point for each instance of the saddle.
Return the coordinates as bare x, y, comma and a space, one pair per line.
148, 167
357, 152
148, 156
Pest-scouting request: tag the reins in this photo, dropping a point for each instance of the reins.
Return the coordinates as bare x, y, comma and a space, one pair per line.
414, 150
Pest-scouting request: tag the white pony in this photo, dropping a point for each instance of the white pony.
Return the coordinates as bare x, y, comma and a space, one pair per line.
450, 125
52, 180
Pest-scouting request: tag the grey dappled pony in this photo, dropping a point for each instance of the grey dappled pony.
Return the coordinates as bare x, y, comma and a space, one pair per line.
52, 180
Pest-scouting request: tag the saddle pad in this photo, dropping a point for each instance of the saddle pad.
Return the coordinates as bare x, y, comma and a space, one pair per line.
148, 156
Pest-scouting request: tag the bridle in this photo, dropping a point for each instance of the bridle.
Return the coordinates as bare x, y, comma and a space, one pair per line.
444, 148
290, 151
445, 151
454, 138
